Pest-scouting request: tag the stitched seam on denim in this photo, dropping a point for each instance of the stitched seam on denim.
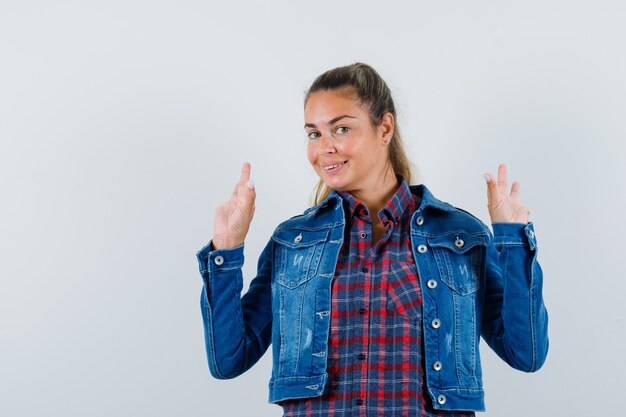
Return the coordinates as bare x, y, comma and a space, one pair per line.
510, 243
281, 318
299, 326
223, 268
533, 318
326, 226
457, 352
211, 343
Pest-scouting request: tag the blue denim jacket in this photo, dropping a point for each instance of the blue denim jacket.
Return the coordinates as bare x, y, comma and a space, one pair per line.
474, 282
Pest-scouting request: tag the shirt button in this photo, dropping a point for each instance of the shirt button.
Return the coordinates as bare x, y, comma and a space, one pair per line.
459, 243
431, 284
219, 259
361, 356
359, 402
422, 248
437, 366
441, 399
361, 311
419, 220
364, 269
363, 235
436, 323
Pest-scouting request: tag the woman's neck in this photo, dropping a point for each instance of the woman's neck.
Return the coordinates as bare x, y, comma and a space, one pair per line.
376, 196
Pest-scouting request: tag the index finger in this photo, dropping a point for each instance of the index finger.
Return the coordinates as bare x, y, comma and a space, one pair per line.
245, 173
502, 180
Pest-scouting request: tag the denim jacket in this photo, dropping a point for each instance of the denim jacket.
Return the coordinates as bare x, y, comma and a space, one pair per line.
474, 283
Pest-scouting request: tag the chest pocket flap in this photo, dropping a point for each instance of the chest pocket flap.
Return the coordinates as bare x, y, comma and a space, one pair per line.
459, 259
297, 255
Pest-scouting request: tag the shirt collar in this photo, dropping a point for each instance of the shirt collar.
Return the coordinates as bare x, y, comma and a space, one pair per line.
421, 191
392, 210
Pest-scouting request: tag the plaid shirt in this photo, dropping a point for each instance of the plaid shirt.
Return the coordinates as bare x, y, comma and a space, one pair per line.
375, 362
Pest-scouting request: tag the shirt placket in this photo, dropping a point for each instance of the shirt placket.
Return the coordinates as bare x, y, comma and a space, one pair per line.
362, 233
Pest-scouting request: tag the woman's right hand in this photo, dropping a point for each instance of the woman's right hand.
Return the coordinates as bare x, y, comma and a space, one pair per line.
233, 218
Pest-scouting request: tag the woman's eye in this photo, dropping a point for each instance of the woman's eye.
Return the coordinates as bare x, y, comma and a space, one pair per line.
313, 135
341, 130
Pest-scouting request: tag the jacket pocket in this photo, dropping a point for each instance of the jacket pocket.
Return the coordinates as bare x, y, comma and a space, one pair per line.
459, 259
297, 255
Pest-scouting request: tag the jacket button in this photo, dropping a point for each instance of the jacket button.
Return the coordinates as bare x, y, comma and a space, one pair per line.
422, 248
436, 323
437, 366
419, 220
459, 243
441, 399
531, 234
363, 235
298, 238
219, 259
431, 284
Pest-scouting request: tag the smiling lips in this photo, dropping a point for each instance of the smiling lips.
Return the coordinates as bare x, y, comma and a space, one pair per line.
334, 167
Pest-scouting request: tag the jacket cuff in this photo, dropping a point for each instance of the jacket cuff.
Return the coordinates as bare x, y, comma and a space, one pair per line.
515, 234
212, 260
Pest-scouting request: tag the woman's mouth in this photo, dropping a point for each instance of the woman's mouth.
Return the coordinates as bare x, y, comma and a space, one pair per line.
332, 168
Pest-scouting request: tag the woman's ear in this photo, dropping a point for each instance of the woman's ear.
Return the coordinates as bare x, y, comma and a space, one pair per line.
386, 127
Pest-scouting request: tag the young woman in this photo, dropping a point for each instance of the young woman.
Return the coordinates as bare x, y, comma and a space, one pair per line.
374, 299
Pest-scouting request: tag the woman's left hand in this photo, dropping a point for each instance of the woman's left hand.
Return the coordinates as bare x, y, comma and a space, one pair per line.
504, 207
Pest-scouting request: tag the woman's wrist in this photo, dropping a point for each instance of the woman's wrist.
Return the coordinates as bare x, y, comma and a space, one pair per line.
225, 243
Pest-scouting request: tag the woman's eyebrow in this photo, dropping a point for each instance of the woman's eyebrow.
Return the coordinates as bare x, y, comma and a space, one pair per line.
336, 119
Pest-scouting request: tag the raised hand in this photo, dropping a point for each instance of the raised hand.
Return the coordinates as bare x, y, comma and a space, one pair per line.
504, 207
233, 218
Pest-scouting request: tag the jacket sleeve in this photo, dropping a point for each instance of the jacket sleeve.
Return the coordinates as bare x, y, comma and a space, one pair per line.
237, 330
515, 320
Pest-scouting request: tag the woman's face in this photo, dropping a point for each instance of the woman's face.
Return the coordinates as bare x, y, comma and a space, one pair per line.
346, 151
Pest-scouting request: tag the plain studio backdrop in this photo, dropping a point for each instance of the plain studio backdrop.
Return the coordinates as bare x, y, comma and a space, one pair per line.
123, 124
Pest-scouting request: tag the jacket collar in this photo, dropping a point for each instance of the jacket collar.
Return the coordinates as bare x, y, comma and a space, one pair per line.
427, 200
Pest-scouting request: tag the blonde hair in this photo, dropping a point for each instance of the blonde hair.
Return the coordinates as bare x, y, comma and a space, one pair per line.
374, 95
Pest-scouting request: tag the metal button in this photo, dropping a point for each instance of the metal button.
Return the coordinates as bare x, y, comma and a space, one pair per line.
437, 366
436, 323
419, 220
531, 234
459, 243
298, 238
441, 399
363, 235
431, 283
422, 248
219, 259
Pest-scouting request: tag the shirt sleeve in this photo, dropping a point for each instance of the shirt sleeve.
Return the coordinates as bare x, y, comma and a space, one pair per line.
515, 319
237, 330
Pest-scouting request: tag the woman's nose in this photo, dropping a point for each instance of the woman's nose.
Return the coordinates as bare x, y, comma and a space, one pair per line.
327, 144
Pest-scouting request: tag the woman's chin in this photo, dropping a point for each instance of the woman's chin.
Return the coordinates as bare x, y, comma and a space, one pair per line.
335, 183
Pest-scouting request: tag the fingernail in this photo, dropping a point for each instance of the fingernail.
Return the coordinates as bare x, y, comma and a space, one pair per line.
250, 184
486, 177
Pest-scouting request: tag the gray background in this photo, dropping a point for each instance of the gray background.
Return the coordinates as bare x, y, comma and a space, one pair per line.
123, 124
